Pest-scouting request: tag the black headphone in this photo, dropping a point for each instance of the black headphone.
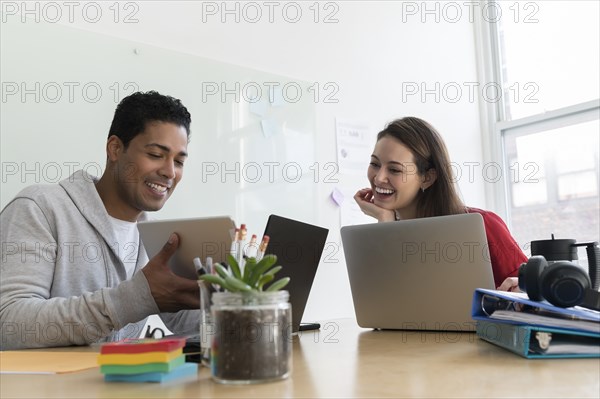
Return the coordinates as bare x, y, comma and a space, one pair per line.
562, 283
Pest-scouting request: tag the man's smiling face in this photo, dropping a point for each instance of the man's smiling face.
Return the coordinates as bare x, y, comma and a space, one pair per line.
148, 171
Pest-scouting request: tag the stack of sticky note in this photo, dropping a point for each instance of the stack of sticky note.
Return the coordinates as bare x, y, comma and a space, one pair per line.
145, 360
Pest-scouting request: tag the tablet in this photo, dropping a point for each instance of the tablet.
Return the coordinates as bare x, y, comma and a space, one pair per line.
198, 237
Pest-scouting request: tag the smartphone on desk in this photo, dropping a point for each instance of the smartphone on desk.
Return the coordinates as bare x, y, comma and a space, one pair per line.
309, 326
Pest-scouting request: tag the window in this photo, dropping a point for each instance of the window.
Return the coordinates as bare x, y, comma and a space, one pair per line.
549, 55
545, 55
553, 180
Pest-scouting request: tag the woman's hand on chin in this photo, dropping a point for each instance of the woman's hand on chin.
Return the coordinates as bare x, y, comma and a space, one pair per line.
364, 199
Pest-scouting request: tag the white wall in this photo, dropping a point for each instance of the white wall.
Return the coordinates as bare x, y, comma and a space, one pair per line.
369, 54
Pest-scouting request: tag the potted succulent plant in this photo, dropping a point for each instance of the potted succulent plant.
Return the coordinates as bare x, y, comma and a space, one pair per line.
252, 322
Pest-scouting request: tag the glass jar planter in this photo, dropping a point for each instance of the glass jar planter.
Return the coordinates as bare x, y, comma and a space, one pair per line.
252, 340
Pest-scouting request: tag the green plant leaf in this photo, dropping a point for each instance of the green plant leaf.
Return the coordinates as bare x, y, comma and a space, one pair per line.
264, 280
211, 278
224, 273
255, 276
217, 280
273, 271
238, 285
279, 284
260, 268
250, 264
235, 268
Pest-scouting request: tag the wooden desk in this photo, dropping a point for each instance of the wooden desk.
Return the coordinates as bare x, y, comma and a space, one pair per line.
343, 360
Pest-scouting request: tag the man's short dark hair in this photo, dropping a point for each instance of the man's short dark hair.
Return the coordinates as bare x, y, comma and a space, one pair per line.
135, 111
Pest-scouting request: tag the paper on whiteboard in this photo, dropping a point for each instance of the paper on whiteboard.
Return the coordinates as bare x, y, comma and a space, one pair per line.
355, 143
354, 146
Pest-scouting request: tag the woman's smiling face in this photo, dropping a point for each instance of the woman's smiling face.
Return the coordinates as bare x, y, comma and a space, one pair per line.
394, 178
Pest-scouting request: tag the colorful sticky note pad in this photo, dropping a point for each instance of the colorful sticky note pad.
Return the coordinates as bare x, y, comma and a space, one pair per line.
143, 368
143, 345
139, 358
185, 370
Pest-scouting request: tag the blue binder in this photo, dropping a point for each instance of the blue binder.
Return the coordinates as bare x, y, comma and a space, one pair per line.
517, 308
535, 329
535, 342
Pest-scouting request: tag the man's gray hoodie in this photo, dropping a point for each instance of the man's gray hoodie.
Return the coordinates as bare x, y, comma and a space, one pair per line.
61, 279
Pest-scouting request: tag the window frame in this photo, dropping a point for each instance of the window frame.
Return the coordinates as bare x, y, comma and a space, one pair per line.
493, 117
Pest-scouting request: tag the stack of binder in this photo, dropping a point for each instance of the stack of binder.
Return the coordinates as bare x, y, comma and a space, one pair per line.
145, 360
535, 329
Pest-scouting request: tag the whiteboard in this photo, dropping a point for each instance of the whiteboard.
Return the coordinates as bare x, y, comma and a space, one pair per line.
252, 147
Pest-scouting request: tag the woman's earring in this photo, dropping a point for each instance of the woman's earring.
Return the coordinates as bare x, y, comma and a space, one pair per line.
422, 189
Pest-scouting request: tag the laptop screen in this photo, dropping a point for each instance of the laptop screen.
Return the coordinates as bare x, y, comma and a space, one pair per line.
298, 247
417, 274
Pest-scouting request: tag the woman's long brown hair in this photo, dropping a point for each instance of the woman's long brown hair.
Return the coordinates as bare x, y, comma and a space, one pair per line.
429, 151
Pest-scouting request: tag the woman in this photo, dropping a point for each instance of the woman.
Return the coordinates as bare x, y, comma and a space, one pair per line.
411, 177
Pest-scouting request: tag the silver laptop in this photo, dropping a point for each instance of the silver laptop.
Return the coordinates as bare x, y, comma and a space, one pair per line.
417, 274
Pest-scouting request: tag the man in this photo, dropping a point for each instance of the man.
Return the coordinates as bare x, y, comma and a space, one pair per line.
73, 269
